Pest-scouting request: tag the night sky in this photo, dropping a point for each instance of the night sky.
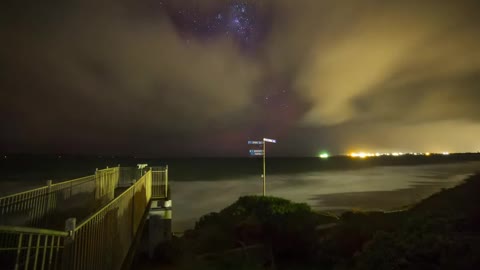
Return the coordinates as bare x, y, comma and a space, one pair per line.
201, 78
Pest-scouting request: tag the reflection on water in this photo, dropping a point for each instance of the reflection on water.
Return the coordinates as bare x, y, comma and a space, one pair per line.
373, 188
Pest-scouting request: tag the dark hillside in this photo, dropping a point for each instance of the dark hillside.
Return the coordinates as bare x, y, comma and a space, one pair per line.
440, 232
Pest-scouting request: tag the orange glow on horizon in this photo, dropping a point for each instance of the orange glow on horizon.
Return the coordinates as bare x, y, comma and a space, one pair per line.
363, 155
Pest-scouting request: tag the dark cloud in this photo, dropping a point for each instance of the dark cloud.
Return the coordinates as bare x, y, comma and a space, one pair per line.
100, 74
387, 75
125, 76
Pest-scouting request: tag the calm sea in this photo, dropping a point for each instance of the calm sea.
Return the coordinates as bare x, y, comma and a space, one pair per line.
203, 185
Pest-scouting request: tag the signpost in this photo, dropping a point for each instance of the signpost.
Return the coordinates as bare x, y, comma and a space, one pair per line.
141, 167
257, 152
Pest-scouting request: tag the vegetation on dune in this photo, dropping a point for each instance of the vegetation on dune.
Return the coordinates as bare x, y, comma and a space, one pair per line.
278, 223
441, 232
252, 233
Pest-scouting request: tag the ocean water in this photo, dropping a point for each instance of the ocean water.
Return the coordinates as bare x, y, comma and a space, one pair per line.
201, 186
374, 188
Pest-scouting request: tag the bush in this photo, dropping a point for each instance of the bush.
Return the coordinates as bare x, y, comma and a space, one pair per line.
289, 228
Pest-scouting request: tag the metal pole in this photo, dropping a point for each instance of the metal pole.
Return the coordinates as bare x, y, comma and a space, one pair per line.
264, 172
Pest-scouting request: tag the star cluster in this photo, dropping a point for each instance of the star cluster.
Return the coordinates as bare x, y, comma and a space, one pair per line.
247, 24
241, 21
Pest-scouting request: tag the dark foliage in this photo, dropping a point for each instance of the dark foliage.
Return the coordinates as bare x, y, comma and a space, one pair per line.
441, 232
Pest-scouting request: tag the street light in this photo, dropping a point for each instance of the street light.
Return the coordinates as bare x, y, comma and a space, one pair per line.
262, 153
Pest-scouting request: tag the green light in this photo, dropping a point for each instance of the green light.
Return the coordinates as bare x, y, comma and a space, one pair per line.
324, 155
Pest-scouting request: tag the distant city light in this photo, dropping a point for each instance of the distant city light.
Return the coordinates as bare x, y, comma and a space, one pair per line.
394, 154
361, 155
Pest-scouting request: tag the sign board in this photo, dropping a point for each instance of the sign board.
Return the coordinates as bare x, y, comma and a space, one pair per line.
256, 152
269, 140
255, 142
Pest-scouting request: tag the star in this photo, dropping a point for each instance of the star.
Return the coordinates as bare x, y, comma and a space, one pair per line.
235, 20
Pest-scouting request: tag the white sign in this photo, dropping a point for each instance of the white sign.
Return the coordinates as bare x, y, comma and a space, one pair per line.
269, 140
